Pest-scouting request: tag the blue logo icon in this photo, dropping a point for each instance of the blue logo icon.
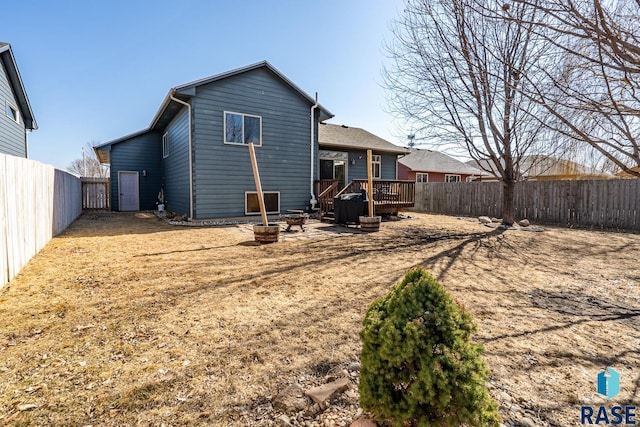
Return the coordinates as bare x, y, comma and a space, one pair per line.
609, 382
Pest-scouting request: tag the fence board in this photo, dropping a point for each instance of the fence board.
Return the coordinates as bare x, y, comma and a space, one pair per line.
598, 203
95, 193
37, 202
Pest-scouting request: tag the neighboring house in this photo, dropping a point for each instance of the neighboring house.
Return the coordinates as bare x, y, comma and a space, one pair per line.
547, 168
343, 154
432, 166
195, 148
16, 117
623, 174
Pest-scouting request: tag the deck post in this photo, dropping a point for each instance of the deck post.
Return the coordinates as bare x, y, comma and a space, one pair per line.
256, 176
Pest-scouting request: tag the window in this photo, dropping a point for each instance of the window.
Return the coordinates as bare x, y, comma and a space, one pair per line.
271, 202
165, 145
242, 129
452, 178
422, 177
376, 163
12, 112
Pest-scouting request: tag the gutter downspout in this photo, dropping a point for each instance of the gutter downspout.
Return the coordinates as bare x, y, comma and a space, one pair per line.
313, 200
26, 143
186, 104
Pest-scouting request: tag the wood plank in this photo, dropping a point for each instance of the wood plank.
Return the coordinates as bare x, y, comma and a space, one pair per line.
36, 201
4, 250
596, 203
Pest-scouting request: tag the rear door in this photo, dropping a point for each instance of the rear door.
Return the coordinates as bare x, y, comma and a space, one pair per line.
128, 188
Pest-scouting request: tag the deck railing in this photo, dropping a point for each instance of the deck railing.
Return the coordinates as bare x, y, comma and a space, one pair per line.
388, 195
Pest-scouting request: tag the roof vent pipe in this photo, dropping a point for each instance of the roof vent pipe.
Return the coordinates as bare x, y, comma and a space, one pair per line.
313, 200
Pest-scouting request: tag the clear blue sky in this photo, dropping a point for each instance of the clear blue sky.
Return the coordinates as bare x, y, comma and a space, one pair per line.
98, 70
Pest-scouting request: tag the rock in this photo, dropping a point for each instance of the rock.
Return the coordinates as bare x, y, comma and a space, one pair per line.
291, 399
27, 407
352, 394
312, 410
283, 421
527, 422
363, 421
323, 393
484, 220
504, 397
354, 366
524, 223
332, 377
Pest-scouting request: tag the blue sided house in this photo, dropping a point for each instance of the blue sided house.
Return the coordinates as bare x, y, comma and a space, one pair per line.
16, 118
196, 150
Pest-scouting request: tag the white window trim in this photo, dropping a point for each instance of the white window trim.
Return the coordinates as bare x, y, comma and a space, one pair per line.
224, 128
8, 105
376, 159
264, 192
446, 177
425, 174
165, 145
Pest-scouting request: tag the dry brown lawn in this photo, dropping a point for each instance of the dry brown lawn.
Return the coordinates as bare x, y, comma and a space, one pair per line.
126, 320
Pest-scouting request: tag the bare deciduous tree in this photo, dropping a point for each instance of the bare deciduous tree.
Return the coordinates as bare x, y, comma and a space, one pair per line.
88, 165
456, 76
595, 72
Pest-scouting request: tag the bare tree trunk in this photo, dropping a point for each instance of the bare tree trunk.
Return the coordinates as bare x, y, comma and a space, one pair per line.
508, 188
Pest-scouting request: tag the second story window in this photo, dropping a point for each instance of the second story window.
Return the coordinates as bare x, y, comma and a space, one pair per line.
165, 145
242, 128
12, 112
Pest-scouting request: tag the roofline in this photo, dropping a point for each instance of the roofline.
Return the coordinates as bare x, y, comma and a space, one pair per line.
250, 67
123, 138
353, 146
163, 106
15, 79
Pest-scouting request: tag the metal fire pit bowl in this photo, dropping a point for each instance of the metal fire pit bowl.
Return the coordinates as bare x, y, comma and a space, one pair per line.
296, 219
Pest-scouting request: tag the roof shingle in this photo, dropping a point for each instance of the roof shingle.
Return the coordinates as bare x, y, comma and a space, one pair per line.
341, 136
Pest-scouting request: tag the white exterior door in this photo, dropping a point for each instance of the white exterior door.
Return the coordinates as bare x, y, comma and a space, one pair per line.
128, 189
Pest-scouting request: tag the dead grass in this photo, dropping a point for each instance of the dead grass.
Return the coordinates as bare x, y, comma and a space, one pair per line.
125, 320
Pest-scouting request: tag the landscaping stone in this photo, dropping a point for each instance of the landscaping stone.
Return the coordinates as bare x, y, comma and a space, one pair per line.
291, 399
364, 421
284, 421
524, 223
354, 366
484, 220
323, 393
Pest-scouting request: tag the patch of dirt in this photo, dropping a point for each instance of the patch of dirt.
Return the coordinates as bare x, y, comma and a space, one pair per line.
124, 319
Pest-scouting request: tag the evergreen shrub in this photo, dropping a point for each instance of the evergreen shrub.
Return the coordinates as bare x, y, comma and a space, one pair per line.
419, 365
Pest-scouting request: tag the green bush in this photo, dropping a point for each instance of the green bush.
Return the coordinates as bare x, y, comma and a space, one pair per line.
418, 362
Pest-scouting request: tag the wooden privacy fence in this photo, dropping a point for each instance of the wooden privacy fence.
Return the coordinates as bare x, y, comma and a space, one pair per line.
95, 193
37, 202
613, 203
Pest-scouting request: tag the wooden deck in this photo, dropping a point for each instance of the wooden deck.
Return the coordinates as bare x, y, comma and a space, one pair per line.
389, 196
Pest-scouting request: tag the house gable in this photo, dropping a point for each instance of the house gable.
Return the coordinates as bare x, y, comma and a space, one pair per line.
194, 154
15, 111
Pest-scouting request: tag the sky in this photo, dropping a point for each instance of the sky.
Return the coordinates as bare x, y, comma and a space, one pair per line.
98, 70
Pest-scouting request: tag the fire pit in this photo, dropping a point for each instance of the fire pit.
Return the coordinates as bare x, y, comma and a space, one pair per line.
295, 219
